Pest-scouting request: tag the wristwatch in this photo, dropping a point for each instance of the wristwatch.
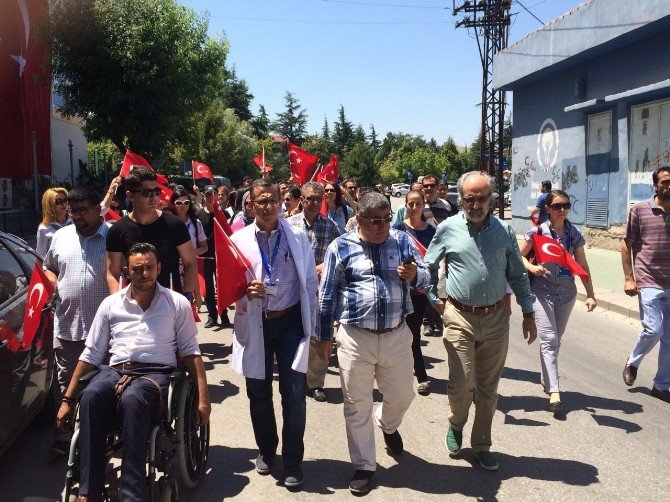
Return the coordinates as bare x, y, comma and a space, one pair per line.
529, 315
189, 296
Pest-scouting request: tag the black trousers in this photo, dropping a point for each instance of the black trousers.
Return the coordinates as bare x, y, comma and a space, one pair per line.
100, 412
414, 321
209, 269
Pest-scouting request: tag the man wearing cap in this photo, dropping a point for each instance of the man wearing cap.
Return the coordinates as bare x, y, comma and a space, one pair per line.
275, 319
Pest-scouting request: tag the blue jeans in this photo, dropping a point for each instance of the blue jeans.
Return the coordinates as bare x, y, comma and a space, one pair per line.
655, 318
282, 337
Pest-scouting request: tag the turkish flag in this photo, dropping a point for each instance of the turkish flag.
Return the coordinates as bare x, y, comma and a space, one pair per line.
201, 170
39, 291
166, 193
222, 218
330, 172
130, 160
420, 247
161, 179
302, 162
231, 268
549, 250
111, 215
8, 336
259, 160
324, 207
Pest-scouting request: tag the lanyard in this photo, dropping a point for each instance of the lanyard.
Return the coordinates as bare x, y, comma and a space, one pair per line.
269, 266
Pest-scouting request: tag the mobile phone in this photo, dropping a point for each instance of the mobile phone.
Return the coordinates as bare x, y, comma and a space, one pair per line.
408, 261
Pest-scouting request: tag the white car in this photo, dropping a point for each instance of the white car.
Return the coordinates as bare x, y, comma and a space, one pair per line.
399, 189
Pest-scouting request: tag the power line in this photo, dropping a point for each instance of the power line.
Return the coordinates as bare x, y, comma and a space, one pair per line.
529, 12
353, 2
301, 21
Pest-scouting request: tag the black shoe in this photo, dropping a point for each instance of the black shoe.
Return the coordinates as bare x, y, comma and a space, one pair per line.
264, 464
60, 448
629, 374
318, 394
394, 442
293, 478
663, 395
210, 323
361, 482
225, 322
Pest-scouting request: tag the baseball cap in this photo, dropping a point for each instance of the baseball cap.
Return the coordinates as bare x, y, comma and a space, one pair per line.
209, 188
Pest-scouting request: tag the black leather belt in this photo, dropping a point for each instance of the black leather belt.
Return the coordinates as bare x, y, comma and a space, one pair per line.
275, 314
475, 310
385, 330
131, 365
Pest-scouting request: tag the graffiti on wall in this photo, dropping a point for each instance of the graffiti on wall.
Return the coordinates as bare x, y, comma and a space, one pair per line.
570, 177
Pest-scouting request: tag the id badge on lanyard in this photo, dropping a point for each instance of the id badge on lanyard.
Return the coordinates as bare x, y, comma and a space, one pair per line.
271, 289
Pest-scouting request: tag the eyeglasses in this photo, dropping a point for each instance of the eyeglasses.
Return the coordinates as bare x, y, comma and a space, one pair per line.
314, 199
182, 203
60, 202
266, 202
476, 198
149, 192
378, 222
80, 211
329, 190
429, 185
558, 206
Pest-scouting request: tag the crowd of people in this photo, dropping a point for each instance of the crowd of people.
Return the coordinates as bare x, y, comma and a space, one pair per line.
330, 265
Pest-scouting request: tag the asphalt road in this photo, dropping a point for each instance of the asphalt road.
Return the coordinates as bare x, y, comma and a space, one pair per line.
610, 443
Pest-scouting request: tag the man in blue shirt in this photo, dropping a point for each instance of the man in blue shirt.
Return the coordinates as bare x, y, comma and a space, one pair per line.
541, 206
366, 281
482, 255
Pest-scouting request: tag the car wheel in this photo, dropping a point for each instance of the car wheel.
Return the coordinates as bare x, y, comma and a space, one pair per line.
397, 194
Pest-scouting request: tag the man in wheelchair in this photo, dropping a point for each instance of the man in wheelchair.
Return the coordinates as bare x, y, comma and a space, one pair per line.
141, 327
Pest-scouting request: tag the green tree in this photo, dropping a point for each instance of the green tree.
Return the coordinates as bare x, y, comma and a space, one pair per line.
108, 157
359, 135
358, 163
325, 130
292, 123
343, 133
261, 123
236, 95
137, 70
374, 141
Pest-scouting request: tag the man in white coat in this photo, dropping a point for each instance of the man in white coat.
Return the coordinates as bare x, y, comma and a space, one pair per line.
275, 319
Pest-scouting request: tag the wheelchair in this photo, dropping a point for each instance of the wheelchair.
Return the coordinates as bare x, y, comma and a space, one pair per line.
177, 435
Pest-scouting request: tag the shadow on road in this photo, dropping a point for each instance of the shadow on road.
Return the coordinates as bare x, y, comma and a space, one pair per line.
214, 354
225, 389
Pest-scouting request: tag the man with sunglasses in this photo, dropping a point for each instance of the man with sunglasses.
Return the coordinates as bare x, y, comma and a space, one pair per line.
76, 266
645, 255
162, 229
482, 255
365, 285
321, 232
436, 208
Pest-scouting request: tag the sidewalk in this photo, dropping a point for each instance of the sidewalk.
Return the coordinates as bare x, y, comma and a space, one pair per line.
607, 277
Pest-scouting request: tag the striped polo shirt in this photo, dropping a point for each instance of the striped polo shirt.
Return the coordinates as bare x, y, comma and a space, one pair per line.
648, 233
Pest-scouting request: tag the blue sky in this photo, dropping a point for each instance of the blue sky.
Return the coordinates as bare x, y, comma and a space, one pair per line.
398, 64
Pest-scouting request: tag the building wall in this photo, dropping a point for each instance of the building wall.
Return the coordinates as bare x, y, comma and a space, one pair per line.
62, 131
561, 156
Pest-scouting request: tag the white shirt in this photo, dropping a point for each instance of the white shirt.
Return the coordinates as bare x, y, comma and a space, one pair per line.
154, 335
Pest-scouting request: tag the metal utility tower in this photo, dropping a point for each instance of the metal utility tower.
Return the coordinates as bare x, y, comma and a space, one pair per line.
490, 20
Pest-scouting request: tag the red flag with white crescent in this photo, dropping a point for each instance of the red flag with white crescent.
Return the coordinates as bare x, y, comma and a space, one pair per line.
422, 249
39, 292
111, 215
550, 250
166, 193
131, 160
201, 170
330, 172
302, 162
231, 268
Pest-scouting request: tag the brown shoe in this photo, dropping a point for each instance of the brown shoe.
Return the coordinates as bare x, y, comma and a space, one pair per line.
663, 395
629, 374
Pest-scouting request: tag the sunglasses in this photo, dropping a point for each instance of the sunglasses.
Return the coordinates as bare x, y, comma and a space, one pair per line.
182, 203
61, 202
476, 198
429, 185
558, 206
149, 192
378, 222
329, 190
80, 211
352, 188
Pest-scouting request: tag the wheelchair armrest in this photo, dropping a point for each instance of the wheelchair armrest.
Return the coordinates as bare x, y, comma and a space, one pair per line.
88, 376
176, 375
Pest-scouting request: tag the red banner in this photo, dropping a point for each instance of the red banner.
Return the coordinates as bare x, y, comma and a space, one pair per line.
330, 172
25, 89
549, 250
302, 162
131, 160
231, 267
201, 170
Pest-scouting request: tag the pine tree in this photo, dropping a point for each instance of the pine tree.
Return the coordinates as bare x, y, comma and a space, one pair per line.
343, 133
261, 123
374, 141
325, 131
292, 124
359, 135
236, 95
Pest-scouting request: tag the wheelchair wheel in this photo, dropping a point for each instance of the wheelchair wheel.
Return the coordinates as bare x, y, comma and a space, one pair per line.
168, 489
193, 439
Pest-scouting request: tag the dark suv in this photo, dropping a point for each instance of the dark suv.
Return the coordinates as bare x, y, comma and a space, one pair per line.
26, 373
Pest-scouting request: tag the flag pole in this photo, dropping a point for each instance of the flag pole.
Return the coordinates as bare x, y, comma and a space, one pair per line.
316, 171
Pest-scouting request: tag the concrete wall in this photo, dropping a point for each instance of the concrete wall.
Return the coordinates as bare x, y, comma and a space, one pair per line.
62, 131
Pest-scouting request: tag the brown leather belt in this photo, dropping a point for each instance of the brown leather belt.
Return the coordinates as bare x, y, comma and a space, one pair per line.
274, 314
385, 330
131, 365
474, 310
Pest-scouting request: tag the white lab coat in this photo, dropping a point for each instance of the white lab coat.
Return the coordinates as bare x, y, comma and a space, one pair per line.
248, 348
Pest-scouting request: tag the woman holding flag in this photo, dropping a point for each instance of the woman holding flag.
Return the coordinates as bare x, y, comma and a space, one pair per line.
416, 226
553, 283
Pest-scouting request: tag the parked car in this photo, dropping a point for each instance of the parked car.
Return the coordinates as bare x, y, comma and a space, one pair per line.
399, 189
26, 373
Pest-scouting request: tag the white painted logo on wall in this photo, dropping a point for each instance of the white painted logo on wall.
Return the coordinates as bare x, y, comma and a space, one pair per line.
547, 145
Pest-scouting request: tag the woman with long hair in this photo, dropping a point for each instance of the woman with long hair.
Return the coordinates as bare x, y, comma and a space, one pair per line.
554, 288
292, 203
337, 210
181, 205
415, 224
54, 216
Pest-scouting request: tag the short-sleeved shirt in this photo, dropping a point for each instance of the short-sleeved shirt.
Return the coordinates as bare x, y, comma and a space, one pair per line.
320, 234
207, 220
559, 278
166, 233
648, 233
440, 209
542, 206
